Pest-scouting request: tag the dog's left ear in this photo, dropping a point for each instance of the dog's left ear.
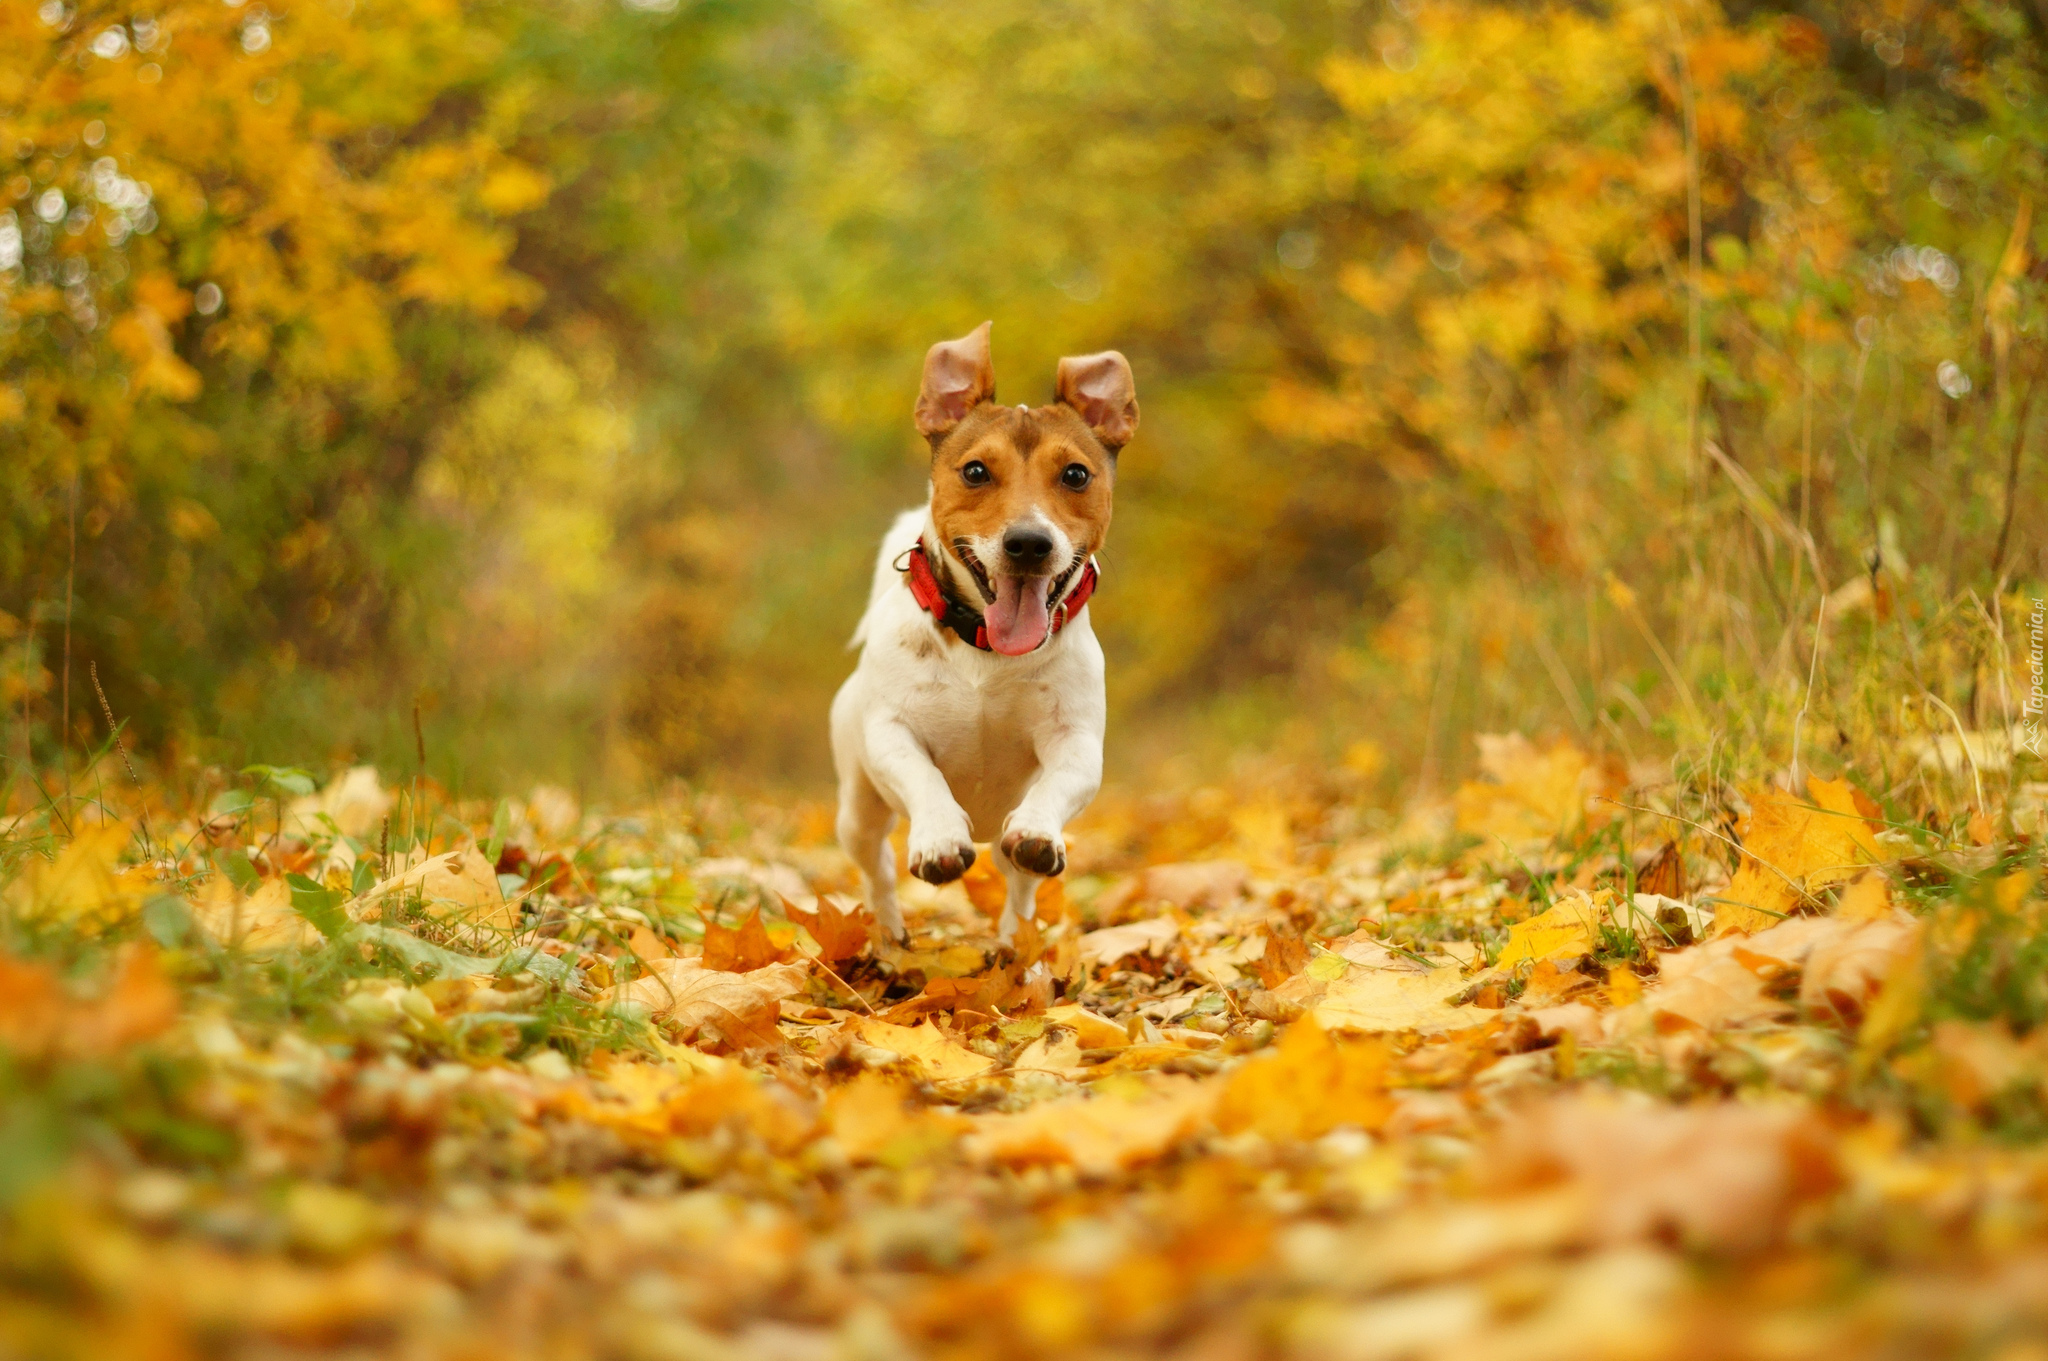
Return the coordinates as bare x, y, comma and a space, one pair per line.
1101, 389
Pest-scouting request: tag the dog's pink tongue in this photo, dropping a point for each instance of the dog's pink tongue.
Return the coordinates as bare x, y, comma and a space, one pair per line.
1017, 621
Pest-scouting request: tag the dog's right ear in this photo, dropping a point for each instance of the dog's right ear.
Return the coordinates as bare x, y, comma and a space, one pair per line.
958, 377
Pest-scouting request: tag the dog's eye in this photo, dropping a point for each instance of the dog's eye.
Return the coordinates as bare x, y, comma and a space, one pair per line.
975, 474
1075, 477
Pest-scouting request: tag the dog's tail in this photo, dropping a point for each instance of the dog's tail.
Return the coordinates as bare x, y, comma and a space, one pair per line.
900, 539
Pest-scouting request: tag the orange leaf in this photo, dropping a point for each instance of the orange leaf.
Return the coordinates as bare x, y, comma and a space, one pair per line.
741, 950
840, 934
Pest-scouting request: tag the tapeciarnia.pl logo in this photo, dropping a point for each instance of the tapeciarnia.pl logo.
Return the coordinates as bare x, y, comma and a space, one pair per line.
2036, 698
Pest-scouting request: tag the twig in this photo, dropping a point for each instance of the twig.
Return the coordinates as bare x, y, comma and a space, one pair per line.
819, 960
1976, 776
70, 580
142, 809
2012, 473
1790, 882
1813, 668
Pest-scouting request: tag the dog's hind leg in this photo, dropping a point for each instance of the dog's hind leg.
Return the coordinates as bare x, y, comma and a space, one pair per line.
864, 823
1021, 900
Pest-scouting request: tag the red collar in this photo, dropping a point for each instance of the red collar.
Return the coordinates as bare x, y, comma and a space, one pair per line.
965, 621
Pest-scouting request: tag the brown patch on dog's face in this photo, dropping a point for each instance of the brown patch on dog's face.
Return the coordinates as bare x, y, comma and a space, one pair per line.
1021, 495
1008, 468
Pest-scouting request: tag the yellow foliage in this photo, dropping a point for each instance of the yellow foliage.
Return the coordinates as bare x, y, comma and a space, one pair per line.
84, 886
1791, 849
1307, 1086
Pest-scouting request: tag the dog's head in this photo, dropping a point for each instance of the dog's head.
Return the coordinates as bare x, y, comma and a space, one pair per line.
1021, 495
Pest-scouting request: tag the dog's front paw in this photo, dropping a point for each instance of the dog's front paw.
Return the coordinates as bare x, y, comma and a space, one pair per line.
940, 859
1041, 853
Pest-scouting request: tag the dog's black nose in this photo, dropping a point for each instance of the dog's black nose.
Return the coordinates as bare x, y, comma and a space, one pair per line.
1027, 546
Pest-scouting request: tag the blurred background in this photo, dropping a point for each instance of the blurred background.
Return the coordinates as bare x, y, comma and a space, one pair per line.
548, 365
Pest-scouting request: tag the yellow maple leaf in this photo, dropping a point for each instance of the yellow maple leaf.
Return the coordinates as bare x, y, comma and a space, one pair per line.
1530, 795
1389, 1000
1307, 1085
84, 885
1790, 849
1567, 929
939, 1055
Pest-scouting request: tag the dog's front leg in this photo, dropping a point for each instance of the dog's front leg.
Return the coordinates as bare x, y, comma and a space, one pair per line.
1034, 843
941, 838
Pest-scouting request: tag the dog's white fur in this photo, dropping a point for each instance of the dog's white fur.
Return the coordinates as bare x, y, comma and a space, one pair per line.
968, 745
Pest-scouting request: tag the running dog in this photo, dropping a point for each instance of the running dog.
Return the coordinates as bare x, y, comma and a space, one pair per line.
976, 710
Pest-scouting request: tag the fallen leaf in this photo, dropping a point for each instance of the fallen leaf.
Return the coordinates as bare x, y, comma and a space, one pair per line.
1843, 973
1092, 1031
742, 1007
841, 932
1532, 795
1566, 931
649, 946
457, 886
1664, 876
1384, 1000
83, 886
1307, 1085
1284, 957
1868, 898
986, 888
874, 1122
261, 922
740, 949
1100, 1135
1149, 937
1722, 1177
354, 801
1809, 845
938, 1055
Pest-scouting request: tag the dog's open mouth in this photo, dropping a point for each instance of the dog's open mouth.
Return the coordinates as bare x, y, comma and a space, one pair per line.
1018, 609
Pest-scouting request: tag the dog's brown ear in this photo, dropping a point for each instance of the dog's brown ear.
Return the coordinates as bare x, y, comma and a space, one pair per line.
1101, 388
957, 378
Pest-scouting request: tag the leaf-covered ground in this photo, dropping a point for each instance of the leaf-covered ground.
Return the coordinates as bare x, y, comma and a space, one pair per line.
1573, 1065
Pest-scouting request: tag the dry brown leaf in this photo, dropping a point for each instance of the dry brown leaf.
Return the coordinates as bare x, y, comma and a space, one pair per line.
740, 949
1809, 845
1284, 957
742, 1007
649, 946
1152, 936
1664, 876
841, 932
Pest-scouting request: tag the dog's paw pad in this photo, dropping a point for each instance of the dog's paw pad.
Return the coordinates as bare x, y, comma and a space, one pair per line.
1038, 854
942, 866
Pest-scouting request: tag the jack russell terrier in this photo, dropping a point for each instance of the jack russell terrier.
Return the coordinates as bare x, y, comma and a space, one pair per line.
977, 710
